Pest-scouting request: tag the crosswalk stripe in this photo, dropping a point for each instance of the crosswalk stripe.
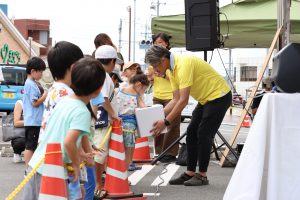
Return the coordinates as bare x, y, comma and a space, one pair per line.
172, 169
139, 174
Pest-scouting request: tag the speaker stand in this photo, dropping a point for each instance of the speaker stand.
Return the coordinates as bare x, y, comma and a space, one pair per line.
214, 147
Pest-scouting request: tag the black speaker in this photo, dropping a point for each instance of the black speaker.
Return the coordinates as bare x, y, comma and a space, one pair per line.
286, 69
202, 25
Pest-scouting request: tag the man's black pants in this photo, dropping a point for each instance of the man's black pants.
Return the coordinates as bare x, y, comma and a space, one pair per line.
205, 122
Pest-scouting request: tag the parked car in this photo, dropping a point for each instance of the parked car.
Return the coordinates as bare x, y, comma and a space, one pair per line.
12, 80
188, 109
237, 99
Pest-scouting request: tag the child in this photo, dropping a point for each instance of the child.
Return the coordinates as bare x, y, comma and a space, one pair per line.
107, 56
60, 58
128, 99
33, 106
69, 122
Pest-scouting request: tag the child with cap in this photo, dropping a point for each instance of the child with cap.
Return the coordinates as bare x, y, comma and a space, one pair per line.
107, 56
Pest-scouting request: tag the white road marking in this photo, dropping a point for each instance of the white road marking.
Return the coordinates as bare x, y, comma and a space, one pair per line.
139, 174
172, 169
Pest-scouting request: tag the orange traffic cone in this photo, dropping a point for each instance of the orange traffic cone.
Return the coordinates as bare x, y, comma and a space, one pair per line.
116, 181
53, 183
142, 151
247, 122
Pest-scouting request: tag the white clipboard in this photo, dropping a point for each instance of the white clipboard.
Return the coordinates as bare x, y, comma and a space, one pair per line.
145, 118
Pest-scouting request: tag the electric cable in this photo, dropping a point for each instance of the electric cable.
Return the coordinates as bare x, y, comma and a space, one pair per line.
234, 90
211, 56
227, 23
165, 170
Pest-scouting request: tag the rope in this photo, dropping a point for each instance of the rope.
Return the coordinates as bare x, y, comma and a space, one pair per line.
12, 195
28, 177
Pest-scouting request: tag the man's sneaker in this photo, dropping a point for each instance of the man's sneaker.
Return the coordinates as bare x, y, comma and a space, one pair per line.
17, 158
197, 180
168, 159
180, 180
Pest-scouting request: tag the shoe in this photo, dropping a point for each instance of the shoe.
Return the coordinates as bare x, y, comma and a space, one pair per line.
17, 158
197, 180
180, 180
133, 167
168, 159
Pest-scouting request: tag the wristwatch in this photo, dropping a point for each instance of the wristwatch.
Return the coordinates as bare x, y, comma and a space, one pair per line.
167, 123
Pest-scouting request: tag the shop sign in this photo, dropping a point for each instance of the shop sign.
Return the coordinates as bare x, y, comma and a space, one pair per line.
9, 56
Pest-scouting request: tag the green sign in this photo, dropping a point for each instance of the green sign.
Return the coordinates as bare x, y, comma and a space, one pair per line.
9, 56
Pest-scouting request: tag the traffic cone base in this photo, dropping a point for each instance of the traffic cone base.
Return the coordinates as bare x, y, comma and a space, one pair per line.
142, 151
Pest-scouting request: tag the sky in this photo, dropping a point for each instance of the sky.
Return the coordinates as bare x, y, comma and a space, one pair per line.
79, 21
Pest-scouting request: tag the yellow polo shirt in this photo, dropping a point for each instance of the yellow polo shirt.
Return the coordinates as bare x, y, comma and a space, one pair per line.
206, 84
161, 88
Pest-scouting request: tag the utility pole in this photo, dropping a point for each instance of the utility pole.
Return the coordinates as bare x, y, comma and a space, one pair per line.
134, 18
129, 39
156, 6
283, 19
120, 35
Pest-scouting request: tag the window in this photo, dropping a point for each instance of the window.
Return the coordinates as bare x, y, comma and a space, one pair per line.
248, 73
13, 76
44, 37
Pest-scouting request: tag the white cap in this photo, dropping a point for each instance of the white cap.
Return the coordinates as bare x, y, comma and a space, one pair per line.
107, 52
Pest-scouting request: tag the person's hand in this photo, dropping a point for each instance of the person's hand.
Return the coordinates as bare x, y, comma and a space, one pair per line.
97, 150
158, 127
88, 158
75, 172
116, 117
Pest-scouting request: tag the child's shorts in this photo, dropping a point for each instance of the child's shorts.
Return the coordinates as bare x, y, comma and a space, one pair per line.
98, 138
31, 137
129, 130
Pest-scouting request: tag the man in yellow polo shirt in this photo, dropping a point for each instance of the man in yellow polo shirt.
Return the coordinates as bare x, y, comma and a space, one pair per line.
193, 76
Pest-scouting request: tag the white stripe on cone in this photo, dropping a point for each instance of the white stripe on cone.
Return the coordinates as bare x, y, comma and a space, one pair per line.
50, 197
116, 154
117, 137
141, 144
116, 173
54, 171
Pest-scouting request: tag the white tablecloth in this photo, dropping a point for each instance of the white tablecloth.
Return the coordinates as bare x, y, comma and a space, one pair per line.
269, 166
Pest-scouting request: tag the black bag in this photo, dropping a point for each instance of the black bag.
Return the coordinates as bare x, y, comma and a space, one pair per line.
182, 156
9, 131
102, 118
102, 115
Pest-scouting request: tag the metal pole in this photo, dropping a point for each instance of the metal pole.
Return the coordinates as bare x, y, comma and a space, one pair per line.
120, 35
129, 39
157, 8
283, 19
30, 40
230, 64
134, 18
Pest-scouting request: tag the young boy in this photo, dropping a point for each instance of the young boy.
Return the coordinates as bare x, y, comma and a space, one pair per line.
60, 60
33, 106
69, 122
107, 55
